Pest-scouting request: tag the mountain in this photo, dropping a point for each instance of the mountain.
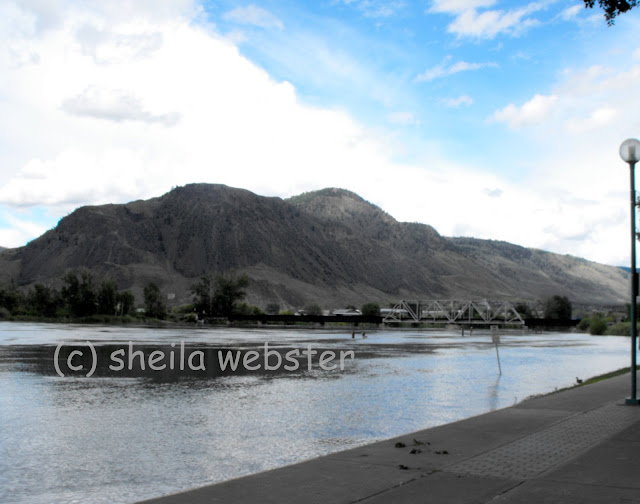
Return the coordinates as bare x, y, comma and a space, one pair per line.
328, 246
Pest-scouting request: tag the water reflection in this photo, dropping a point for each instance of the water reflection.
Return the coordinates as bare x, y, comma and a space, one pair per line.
125, 437
492, 394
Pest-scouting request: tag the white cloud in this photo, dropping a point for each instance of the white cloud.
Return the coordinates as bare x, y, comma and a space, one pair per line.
77, 177
19, 230
445, 69
600, 117
111, 47
460, 101
591, 98
114, 105
490, 23
254, 15
454, 6
471, 21
493, 193
576, 130
403, 118
95, 130
571, 12
377, 8
535, 111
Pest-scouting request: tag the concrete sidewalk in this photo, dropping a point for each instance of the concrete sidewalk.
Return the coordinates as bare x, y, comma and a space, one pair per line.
577, 446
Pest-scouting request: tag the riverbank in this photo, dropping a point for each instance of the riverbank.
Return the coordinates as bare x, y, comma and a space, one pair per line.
576, 445
112, 320
140, 320
343, 323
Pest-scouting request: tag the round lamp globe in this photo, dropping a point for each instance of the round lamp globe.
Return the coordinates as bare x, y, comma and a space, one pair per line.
630, 150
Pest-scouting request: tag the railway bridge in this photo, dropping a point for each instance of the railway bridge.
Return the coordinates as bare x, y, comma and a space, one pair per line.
455, 311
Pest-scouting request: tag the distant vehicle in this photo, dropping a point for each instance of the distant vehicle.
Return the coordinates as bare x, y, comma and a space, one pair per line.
347, 312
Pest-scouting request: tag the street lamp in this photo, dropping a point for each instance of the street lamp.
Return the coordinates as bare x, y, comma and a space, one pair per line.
630, 153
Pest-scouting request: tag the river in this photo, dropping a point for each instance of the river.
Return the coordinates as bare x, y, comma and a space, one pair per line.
123, 437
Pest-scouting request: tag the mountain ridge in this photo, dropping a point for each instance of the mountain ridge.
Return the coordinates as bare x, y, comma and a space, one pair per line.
329, 246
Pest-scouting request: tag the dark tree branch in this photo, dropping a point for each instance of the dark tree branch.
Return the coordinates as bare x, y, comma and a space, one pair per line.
612, 8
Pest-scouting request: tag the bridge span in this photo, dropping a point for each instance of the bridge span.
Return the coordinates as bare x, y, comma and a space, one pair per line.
454, 311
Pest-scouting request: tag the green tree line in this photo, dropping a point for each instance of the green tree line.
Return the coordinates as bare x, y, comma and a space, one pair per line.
79, 296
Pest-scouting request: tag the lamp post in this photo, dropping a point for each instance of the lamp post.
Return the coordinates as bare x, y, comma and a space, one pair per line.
630, 153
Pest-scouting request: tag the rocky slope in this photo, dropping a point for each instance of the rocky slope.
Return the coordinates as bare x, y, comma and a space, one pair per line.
328, 246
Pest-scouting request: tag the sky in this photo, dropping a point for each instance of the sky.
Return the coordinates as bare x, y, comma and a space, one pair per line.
483, 118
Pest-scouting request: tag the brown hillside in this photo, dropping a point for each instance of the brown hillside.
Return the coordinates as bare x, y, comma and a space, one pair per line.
329, 246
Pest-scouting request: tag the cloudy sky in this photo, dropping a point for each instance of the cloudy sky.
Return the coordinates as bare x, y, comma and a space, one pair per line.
485, 118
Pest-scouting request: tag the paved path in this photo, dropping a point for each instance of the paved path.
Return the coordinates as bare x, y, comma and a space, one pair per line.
577, 446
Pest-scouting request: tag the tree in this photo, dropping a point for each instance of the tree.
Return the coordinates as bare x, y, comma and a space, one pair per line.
229, 290
272, 308
108, 297
205, 292
524, 310
598, 325
78, 293
247, 309
126, 301
313, 309
612, 7
43, 300
70, 292
371, 309
218, 295
557, 307
153, 305
88, 297
584, 324
11, 299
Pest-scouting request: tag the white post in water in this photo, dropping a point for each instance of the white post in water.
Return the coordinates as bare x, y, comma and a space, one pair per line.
496, 341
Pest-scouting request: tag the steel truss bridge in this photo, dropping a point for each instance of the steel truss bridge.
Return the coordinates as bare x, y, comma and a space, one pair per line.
459, 312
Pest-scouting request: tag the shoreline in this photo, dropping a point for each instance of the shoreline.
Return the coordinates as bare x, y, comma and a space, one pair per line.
495, 455
107, 320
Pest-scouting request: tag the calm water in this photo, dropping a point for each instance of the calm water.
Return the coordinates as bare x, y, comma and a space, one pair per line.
122, 439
